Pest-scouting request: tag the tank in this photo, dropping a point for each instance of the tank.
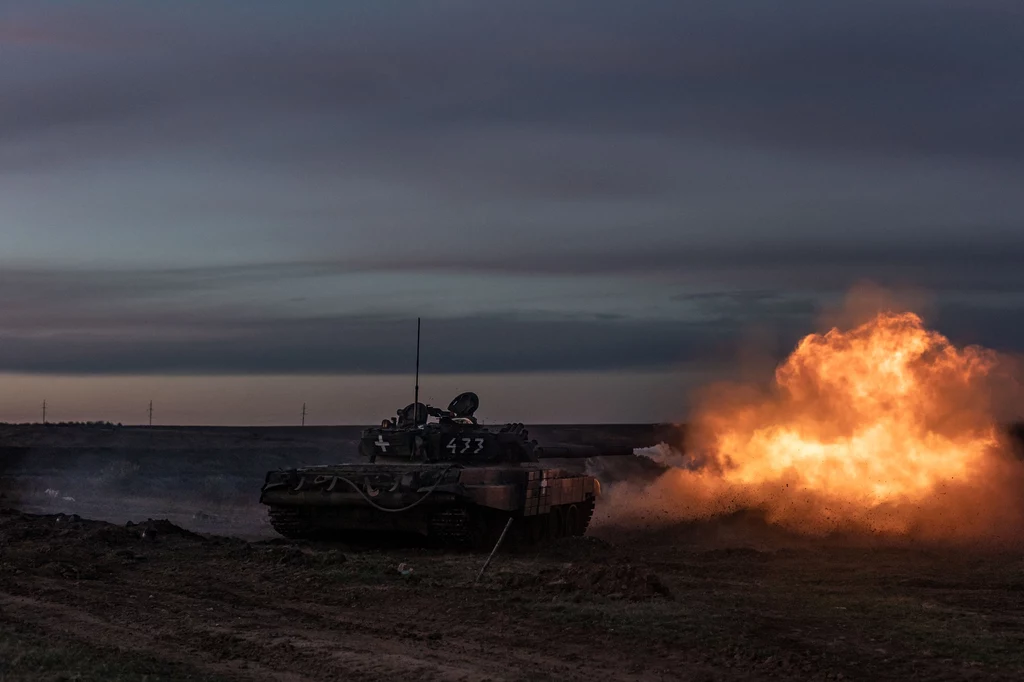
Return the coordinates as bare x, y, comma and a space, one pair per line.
442, 476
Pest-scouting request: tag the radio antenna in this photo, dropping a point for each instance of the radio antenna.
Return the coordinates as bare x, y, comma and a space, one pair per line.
416, 395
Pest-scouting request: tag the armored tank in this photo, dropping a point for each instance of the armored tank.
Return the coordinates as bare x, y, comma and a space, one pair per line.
443, 476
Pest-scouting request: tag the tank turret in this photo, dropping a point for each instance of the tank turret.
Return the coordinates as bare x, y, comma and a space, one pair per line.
456, 436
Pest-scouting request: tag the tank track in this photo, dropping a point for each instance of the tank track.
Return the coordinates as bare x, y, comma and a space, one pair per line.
480, 529
292, 523
451, 527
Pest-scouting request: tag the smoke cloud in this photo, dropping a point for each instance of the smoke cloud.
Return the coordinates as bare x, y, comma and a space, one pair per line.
880, 428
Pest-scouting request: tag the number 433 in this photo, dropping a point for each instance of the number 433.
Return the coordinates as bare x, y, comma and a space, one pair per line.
453, 445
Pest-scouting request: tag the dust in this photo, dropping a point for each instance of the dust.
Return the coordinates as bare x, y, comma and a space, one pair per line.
206, 480
10, 464
696, 505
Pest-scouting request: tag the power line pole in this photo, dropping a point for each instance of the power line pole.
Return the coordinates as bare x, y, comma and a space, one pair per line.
303, 414
44, 410
150, 412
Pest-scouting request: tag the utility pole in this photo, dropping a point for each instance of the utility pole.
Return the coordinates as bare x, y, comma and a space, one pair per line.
150, 412
303, 414
44, 410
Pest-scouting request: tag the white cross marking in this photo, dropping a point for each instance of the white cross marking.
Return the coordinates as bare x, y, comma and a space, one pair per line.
381, 443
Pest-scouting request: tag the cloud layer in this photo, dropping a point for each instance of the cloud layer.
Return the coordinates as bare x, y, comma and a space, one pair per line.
204, 187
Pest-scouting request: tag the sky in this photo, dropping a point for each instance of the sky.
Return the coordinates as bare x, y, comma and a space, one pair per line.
234, 208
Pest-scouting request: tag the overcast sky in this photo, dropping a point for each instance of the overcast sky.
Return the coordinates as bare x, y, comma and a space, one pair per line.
270, 189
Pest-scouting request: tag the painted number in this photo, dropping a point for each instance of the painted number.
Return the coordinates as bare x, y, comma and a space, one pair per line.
467, 443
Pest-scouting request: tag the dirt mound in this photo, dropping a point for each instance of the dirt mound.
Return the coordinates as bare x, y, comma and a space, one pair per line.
66, 528
70, 530
151, 529
615, 580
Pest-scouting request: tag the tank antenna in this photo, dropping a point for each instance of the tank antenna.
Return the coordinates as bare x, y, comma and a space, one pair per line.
416, 395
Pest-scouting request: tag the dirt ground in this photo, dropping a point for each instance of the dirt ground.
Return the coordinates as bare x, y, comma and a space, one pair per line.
226, 599
90, 600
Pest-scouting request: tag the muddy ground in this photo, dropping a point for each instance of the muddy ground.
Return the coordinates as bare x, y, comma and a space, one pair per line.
216, 596
90, 600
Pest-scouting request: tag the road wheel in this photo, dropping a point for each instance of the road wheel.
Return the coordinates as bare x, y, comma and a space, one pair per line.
536, 529
572, 520
556, 523
526, 531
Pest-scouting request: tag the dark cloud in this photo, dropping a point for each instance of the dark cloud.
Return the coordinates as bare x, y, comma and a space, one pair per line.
996, 324
35, 287
763, 272
351, 345
900, 77
206, 344
192, 322
740, 161
830, 266
677, 122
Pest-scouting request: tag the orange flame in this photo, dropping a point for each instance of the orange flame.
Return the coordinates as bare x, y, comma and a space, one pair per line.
864, 415
887, 427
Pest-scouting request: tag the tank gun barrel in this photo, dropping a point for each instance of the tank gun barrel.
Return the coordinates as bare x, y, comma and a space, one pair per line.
582, 451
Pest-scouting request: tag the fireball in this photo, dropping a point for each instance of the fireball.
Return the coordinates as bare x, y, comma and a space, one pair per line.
886, 427
863, 415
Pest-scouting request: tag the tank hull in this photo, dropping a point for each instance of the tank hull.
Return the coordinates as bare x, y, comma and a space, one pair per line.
443, 503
